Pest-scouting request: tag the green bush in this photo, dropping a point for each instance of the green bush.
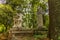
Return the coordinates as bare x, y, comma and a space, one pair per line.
46, 20
2, 28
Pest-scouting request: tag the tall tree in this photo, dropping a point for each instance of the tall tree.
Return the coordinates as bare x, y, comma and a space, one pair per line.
54, 15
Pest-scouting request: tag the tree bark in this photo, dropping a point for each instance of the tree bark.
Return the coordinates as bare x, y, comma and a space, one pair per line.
54, 15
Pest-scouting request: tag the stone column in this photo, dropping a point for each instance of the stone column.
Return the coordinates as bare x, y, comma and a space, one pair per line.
40, 13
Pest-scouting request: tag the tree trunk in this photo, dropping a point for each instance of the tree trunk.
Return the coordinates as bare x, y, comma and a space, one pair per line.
54, 15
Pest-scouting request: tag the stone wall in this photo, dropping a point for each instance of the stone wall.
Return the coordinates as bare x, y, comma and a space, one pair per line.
22, 34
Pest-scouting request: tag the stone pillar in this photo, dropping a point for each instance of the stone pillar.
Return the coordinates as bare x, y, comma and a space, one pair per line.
40, 20
40, 13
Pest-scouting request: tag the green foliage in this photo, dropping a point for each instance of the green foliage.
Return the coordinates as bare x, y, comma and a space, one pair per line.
46, 20
27, 7
43, 6
6, 15
23, 6
2, 28
40, 36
